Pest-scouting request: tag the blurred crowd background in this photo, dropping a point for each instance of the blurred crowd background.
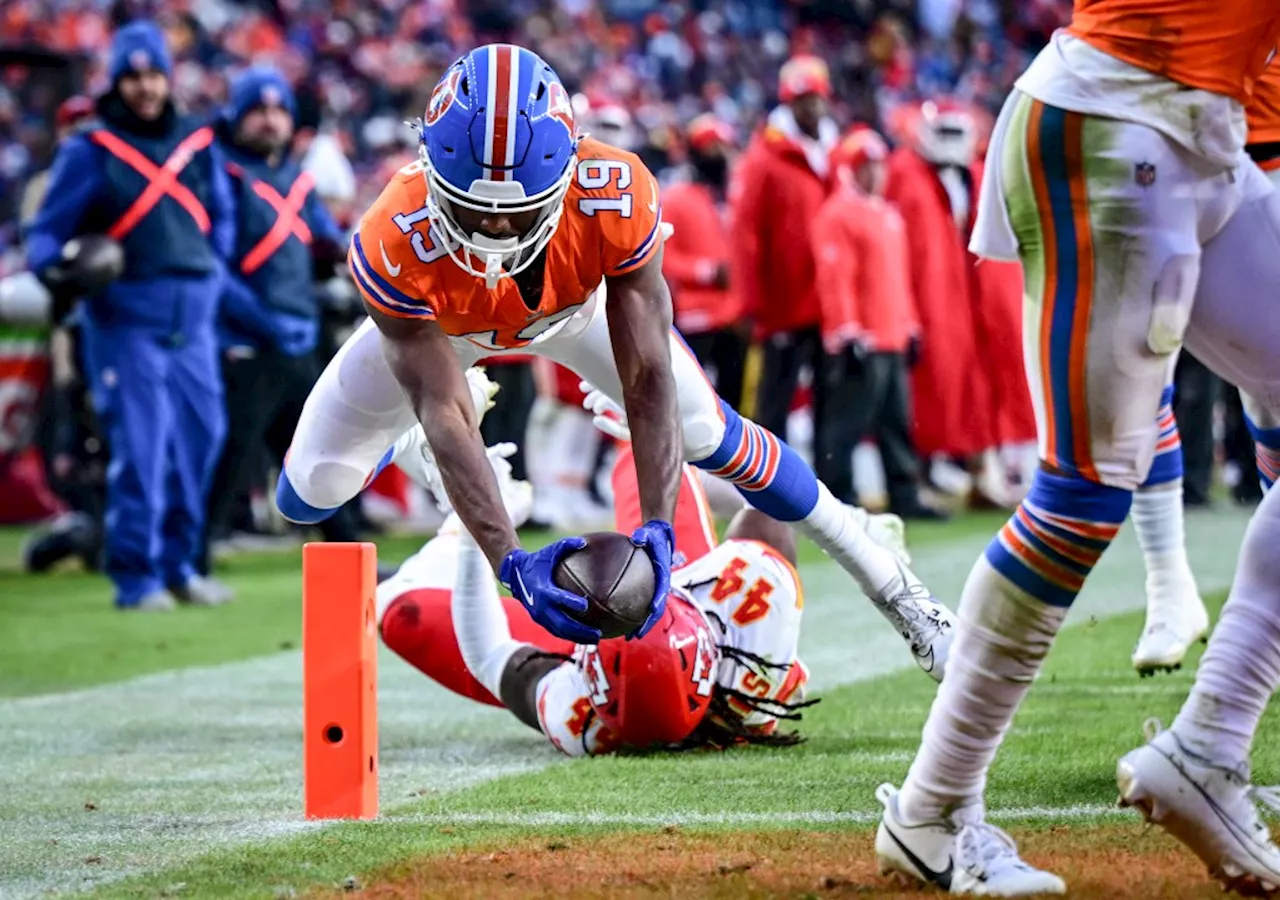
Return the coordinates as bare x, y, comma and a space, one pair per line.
363, 67
918, 403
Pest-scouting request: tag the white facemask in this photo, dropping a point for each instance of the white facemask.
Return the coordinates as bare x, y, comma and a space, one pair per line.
495, 253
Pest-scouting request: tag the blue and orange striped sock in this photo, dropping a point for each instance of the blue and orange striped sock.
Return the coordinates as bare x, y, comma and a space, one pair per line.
769, 474
775, 480
1056, 536
1266, 452
1166, 466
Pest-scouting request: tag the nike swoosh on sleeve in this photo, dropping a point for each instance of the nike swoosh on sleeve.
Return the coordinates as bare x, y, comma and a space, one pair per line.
393, 271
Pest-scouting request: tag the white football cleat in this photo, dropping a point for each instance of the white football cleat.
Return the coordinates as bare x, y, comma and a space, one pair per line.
928, 627
1210, 809
961, 857
885, 529
1176, 619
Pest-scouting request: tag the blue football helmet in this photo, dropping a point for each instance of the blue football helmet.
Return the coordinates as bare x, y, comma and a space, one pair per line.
498, 136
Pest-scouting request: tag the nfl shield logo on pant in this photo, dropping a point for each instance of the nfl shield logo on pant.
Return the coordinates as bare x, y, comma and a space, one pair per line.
1144, 173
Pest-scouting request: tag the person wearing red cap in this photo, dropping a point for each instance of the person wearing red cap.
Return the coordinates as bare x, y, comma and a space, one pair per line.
697, 257
777, 190
868, 324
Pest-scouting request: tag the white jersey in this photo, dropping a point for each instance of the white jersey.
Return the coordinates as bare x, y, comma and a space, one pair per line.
756, 598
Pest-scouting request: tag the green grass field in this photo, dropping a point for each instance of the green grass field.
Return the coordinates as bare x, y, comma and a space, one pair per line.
156, 756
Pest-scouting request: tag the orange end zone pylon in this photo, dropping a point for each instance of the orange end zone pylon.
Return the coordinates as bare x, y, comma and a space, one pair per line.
339, 681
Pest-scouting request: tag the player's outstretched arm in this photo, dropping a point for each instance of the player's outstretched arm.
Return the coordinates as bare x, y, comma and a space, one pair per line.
426, 366
508, 669
639, 311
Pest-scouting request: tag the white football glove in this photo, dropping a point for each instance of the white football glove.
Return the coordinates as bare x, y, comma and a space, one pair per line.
606, 415
517, 496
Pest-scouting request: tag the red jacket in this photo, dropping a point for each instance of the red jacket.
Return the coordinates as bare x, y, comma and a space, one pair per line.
950, 392
864, 273
775, 195
997, 293
692, 256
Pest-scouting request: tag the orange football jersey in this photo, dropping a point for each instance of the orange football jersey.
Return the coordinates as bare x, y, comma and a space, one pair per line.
1220, 46
610, 226
1264, 108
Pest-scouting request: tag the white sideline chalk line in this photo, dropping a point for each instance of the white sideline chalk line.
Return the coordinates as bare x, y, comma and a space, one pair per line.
690, 818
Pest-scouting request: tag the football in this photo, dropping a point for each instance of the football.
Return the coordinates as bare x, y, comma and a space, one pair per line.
615, 576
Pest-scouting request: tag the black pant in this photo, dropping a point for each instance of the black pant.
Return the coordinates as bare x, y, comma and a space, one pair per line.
784, 355
1238, 446
1195, 392
509, 418
723, 355
869, 397
265, 394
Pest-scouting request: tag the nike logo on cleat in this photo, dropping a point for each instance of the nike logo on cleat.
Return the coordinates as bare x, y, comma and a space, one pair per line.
941, 878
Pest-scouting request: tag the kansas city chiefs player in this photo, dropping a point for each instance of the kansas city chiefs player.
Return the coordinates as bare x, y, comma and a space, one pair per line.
719, 668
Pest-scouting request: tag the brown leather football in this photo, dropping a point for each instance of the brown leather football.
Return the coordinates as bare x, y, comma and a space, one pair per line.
615, 576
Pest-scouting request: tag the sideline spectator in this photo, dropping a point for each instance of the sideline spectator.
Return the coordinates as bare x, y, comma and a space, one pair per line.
869, 325
149, 338
780, 184
696, 258
270, 311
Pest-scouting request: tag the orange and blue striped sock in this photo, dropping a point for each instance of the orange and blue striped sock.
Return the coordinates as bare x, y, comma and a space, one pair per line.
1166, 466
1057, 534
769, 474
1266, 451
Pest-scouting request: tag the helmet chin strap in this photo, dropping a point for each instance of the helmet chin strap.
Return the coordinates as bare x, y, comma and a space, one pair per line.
496, 253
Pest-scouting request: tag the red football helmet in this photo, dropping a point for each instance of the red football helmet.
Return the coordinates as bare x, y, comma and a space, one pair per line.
655, 690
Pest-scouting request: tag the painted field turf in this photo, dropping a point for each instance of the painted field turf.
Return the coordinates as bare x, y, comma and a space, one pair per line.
151, 755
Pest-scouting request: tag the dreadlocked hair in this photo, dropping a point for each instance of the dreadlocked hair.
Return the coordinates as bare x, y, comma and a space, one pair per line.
723, 725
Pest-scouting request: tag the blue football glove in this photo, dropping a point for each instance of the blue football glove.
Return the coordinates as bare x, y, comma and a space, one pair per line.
529, 578
658, 540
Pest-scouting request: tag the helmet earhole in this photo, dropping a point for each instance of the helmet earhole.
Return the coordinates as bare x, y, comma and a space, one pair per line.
542, 89
465, 87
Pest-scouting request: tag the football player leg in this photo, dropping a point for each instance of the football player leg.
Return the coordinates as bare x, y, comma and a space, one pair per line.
355, 423
694, 523
1193, 780
1265, 429
1110, 264
1176, 617
773, 479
